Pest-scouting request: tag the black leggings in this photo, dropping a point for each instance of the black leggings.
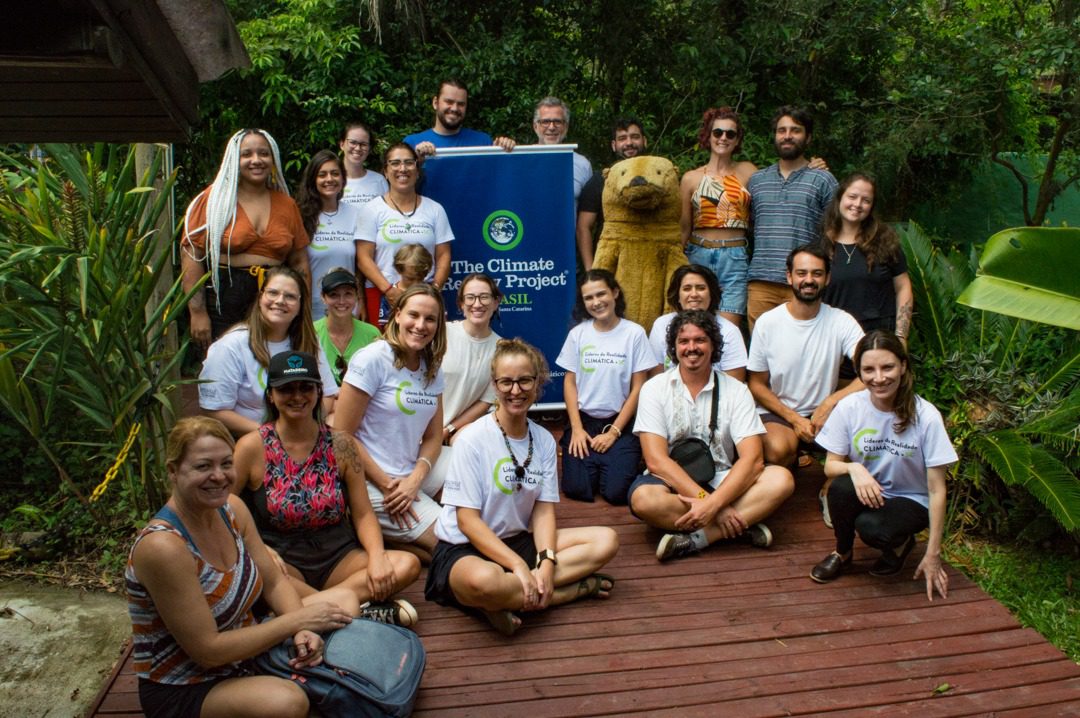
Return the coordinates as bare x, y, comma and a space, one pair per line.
884, 528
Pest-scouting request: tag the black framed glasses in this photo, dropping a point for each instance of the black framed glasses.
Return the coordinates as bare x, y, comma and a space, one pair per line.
525, 383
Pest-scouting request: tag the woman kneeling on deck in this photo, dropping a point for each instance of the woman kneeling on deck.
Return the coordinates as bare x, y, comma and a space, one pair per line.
305, 487
192, 578
894, 485
499, 550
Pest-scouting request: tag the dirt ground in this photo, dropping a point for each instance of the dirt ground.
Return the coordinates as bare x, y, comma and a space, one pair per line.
58, 646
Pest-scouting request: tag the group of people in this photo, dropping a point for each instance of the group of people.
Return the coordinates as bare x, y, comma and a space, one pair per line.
351, 436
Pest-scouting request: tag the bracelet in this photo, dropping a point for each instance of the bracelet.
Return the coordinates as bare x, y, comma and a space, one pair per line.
702, 493
450, 429
612, 427
427, 461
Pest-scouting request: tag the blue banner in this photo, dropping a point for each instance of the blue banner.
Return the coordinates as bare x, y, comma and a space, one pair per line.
513, 219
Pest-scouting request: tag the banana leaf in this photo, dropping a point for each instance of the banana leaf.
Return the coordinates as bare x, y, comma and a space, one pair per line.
1032, 273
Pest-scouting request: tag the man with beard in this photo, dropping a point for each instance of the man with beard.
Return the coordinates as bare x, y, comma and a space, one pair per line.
450, 104
551, 122
627, 140
795, 355
787, 202
678, 404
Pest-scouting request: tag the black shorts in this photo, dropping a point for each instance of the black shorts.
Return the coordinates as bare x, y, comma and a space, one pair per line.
314, 554
446, 555
165, 700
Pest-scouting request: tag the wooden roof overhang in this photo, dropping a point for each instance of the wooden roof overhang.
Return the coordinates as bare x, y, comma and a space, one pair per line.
110, 70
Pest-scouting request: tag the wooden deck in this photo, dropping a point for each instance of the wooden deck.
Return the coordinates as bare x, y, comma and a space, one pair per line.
735, 631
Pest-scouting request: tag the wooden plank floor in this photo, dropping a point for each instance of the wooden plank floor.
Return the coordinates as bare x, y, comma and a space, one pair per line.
735, 631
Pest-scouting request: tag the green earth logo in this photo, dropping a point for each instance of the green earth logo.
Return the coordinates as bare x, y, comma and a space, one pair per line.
503, 230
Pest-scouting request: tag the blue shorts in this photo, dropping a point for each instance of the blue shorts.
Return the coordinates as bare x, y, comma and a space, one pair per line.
730, 266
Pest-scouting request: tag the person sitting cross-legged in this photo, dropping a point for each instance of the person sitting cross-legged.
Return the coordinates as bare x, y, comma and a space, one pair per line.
678, 404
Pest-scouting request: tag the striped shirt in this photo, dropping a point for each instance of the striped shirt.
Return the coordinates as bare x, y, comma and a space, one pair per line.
229, 594
787, 214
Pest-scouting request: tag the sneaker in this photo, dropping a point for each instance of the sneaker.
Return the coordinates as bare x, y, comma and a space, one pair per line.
823, 499
674, 546
759, 536
398, 612
891, 561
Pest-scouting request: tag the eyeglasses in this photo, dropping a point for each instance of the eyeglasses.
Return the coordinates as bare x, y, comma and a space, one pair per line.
551, 122
357, 144
525, 383
719, 132
477, 298
287, 297
407, 164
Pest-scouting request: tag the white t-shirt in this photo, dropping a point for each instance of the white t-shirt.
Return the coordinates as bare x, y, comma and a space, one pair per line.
863, 433
399, 410
466, 370
482, 477
333, 245
390, 230
733, 355
603, 364
665, 408
361, 190
236, 380
802, 356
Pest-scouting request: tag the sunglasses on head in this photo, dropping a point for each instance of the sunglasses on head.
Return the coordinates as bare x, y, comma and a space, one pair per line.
719, 132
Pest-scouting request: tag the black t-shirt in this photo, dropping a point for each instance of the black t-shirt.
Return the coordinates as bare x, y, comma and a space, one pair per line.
867, 295
591, 198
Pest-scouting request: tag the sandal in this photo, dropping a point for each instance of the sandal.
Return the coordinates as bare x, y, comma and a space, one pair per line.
591, 586
505, 622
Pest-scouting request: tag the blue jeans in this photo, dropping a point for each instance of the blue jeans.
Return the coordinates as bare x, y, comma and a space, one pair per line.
730, 266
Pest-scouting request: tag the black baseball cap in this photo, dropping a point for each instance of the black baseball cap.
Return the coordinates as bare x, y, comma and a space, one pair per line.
290, 366
338, 278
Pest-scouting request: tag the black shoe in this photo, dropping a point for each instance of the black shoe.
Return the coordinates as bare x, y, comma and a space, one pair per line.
674, 546
891, 561
830, 567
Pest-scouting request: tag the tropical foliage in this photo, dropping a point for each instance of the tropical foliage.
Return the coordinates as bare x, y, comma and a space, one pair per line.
88, 347
1030, 273
917, 93
1011, 390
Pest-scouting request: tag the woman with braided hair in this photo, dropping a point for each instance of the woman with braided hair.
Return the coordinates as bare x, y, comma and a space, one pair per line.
243, 223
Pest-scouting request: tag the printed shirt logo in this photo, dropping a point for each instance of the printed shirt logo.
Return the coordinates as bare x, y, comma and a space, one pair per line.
503, 230
590, 360
506, 479
406, 397
260, 377
868, 448
394, 230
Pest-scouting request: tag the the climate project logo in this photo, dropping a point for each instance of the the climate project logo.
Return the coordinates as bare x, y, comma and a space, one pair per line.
503, 230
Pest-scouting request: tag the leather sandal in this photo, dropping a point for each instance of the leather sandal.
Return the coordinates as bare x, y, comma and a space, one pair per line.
830, 567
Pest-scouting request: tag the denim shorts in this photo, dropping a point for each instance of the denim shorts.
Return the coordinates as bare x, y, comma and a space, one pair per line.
730, 266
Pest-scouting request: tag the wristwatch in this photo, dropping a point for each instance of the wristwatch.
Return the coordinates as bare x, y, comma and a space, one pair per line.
546, 555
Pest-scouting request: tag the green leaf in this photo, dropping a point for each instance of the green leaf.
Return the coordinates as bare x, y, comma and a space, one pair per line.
1031, 273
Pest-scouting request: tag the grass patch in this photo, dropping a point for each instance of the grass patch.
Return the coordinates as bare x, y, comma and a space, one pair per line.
1036, 585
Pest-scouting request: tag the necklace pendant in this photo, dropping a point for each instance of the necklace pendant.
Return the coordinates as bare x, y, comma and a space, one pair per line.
519, 471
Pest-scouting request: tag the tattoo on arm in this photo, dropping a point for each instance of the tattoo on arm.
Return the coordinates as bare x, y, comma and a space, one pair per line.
346, 454
903, 319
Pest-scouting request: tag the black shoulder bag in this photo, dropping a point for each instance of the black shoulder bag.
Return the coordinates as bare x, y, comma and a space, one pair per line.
693, 454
